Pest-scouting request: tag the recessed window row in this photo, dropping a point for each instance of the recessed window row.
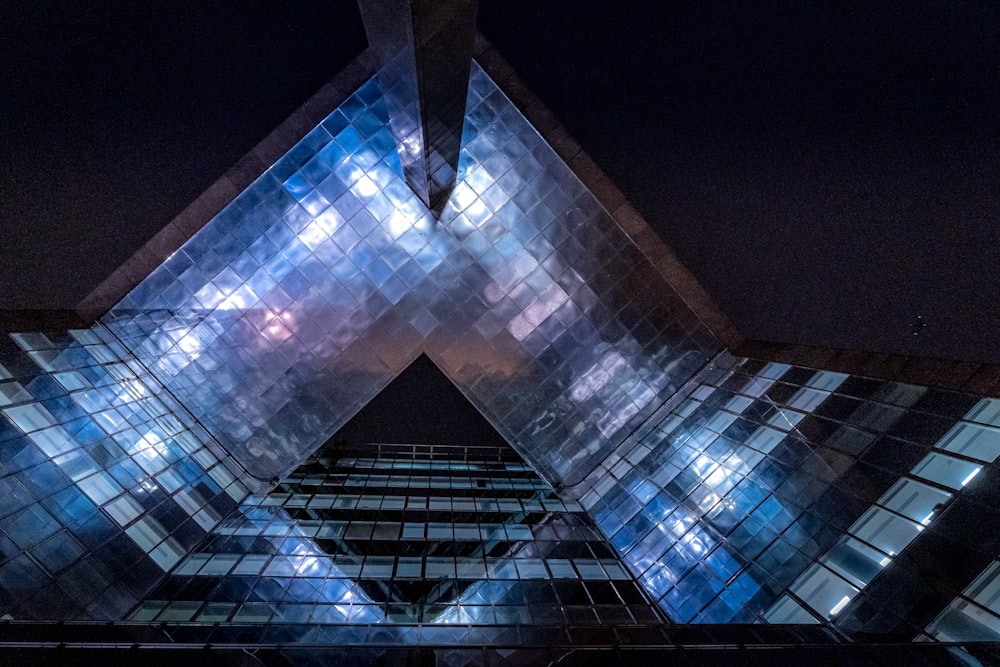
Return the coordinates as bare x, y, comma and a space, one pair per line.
479, 484
432, 503
255, 613
399, 567
388, 530
458, 466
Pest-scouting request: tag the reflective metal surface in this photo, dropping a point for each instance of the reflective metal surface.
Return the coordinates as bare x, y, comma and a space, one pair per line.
321, 282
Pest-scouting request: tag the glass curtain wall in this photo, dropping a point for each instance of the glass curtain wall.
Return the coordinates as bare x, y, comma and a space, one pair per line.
778, 494
105, 481
404, 534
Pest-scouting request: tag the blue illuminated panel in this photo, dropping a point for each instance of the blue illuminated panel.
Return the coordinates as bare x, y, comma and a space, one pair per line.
768, 488
323, 280
105, 484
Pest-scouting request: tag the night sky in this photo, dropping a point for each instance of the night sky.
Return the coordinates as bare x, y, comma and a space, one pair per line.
828, 171
420, 406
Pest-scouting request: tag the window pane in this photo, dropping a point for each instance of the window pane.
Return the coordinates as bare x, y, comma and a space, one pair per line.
30, 417
787, 610
987, 411
857, 562
885, 530
913, 499
986, 588
946, 470
978, 442
824, 591
963, 621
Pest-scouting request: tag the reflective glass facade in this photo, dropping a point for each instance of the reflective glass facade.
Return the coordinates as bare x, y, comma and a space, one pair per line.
105, 481
770, 493
325, 278
404, 534
654, 477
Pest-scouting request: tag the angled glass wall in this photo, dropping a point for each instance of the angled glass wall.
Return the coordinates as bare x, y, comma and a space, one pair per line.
105, 482
772, 493
326, 277
896, 519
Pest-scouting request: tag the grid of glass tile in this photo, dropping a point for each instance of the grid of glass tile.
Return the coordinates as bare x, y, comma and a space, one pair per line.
103, 486
895, 520
722, 503
327, 276
471, 537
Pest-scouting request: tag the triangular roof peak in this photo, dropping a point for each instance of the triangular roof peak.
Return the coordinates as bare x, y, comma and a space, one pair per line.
315, 286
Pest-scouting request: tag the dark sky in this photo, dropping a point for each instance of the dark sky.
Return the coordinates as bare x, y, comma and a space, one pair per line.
829, 171
420, 406
117, 115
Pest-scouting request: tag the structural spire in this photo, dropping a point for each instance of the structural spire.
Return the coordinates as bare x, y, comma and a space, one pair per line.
424, 49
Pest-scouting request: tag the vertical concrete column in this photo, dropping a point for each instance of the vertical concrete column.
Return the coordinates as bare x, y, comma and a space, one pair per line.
424, 49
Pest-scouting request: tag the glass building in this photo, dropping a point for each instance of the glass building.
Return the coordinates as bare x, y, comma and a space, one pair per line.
171, 476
